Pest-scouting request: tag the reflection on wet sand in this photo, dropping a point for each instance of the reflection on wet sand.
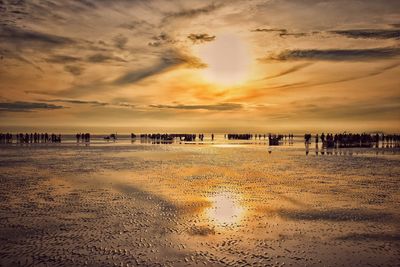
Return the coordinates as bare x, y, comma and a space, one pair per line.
176, 205
225, 208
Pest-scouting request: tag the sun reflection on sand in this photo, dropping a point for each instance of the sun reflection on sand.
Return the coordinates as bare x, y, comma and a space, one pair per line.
225, 208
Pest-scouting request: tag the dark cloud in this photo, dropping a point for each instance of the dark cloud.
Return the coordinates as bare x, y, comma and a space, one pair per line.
288, 71
140, 74
294, 34
284, 32
137, 25
120, 41
20, 106
370, 33
298, 85
8, 54
26, 38
160, 40
79, 102
102, 58
125, 105
95, 58
74, 70
270, 30
93, 103
219, 106
169, 60
191, 13
337, 54
201, 38
62, 59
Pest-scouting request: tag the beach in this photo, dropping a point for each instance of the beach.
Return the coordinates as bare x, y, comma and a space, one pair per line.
198, 204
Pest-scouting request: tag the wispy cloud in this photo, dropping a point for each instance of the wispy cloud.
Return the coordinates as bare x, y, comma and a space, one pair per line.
62, 59
161, 39
270, 30
25, 38
216, 107
79, 102
369, 33
102, 58
337, 54
191, 13
20, 106
283, 32
93, 103
169, 60
289, 71
74, 70
120, 41
201, 37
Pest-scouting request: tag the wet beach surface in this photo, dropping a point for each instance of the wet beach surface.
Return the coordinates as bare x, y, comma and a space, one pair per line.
198, 205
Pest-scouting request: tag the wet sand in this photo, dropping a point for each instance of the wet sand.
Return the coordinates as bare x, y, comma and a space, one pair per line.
198, 205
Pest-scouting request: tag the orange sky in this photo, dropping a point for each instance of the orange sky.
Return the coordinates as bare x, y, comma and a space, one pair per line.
199, 65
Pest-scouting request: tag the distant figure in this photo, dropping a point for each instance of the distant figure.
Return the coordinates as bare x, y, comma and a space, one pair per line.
212, 137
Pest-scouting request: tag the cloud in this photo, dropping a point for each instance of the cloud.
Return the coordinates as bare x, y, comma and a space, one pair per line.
74, 70
295, 34
169, 60
288, 71
92, 103
304, 84
283, 32
337, 54
62, 59
20, 106
102, 58
27, 38
17, 56
191, 13
270, 30
120, 41
201, 38
370, 33
219, 106
79, 102
161, 39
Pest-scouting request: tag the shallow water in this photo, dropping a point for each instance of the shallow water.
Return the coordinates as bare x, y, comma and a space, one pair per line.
209, 204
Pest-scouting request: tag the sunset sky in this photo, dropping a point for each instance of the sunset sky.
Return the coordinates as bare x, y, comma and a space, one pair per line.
198, 65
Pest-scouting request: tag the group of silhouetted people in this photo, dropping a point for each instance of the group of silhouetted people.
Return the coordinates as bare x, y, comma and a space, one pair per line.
238, 136
273, 139
343, 140
82, 137
6, 138
30, 138
169, 137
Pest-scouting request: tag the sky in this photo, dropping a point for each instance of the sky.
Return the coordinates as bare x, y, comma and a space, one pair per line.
199, 65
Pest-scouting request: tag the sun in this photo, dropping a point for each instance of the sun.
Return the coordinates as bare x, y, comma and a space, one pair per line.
227, 59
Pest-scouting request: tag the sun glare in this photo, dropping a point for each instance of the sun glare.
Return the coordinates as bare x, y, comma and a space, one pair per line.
227, 59
225, 209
